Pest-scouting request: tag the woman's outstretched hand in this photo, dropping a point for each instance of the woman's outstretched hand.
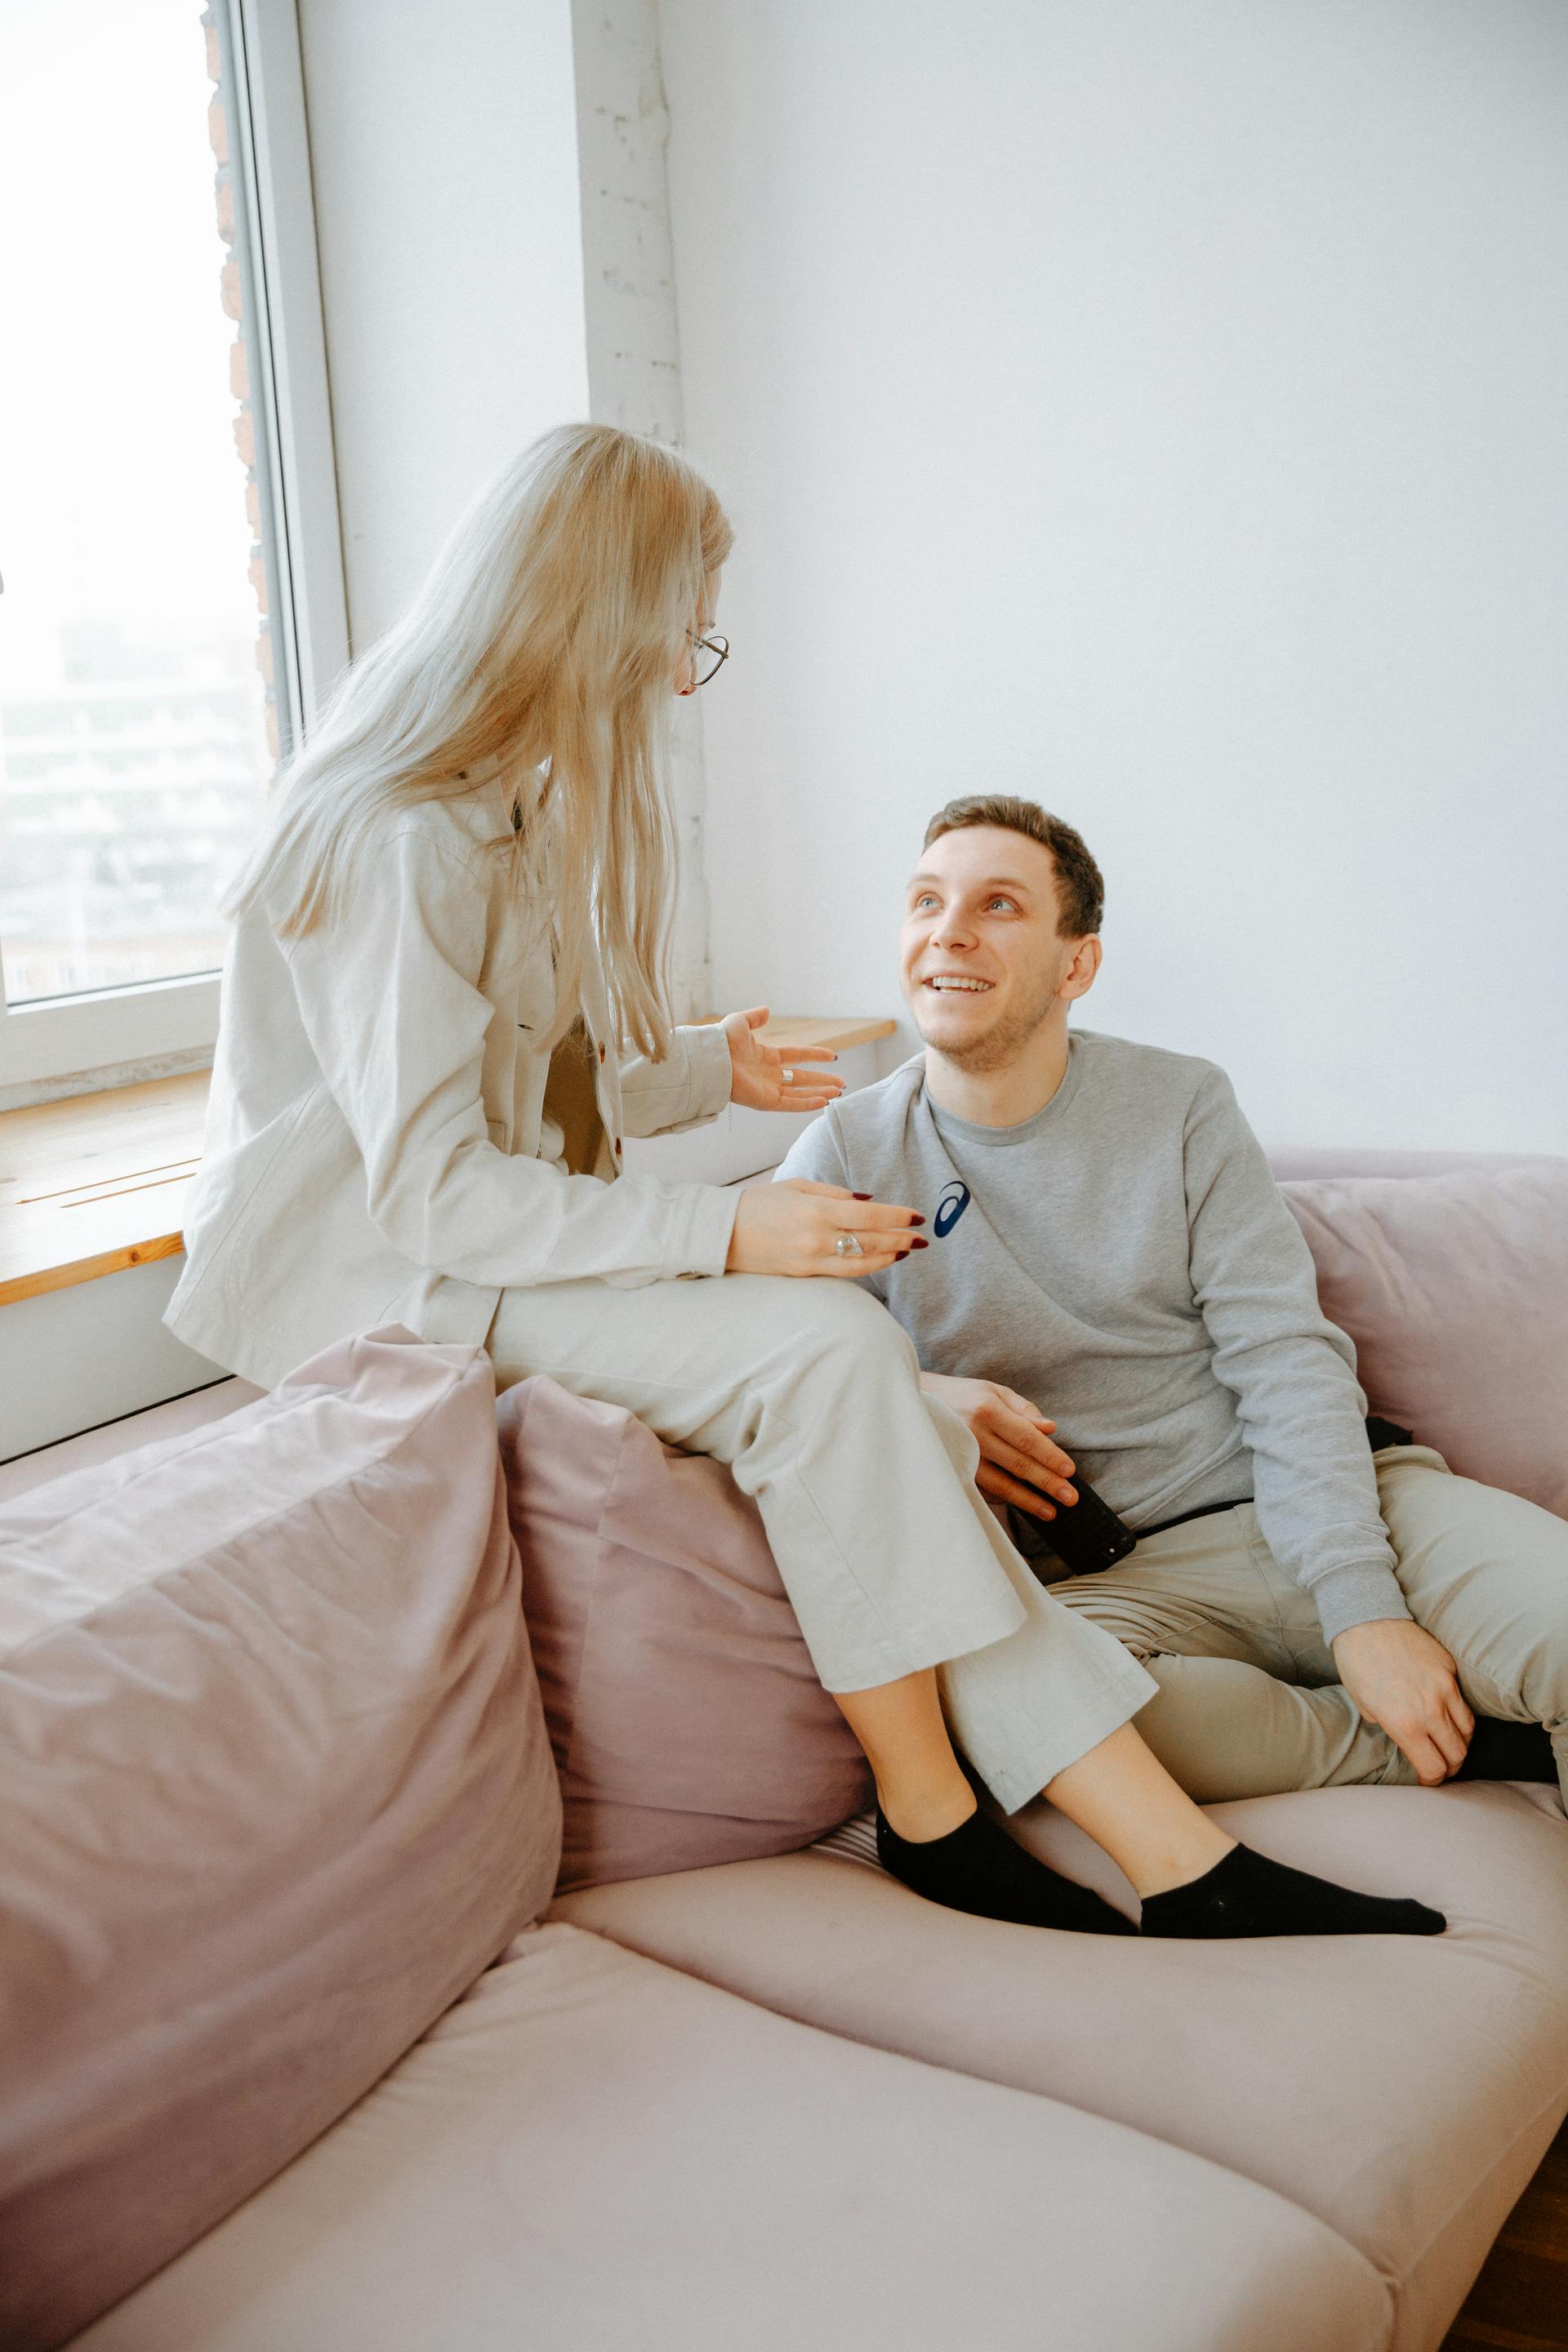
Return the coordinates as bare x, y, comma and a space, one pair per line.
793, 1228
765, 1077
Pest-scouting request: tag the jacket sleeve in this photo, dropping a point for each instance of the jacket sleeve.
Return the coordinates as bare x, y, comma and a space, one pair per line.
688, 1089
390, 999
1293, 1372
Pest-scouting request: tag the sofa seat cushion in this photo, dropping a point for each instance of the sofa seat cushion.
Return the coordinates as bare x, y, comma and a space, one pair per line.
1401, 2089
591, 2153
274, 1789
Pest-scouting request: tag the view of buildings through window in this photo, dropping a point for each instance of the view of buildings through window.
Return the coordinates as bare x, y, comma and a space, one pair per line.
137, 732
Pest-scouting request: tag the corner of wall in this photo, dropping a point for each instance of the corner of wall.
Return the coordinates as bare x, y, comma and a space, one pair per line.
634, 348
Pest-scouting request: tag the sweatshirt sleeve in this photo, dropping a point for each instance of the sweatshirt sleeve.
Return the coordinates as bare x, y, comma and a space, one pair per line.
390, 998
1292, 1371
816, 1157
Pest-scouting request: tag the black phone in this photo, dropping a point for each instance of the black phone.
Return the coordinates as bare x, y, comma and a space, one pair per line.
1083, 1539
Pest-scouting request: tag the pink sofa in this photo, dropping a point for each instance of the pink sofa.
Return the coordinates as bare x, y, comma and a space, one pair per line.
779, 2103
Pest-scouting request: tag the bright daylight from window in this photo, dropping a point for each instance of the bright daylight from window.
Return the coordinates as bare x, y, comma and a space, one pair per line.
134, 722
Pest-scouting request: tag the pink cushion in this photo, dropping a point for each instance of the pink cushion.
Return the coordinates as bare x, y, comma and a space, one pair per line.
274, 1789
687, 1721
1455, 1289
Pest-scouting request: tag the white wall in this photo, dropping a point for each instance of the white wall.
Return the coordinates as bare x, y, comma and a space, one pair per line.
1160, 411
634, 351
443, 158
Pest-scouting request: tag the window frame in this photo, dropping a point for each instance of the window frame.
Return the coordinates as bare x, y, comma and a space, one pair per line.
102, 1032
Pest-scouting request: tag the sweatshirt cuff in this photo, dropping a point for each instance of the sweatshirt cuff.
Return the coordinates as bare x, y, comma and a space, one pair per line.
1357, 1595
705, 1246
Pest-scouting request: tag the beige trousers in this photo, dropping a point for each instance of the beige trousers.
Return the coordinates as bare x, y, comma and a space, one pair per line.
1249, 1700
811, 1393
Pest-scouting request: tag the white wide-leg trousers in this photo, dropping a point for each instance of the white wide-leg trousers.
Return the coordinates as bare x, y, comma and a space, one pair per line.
810, 1391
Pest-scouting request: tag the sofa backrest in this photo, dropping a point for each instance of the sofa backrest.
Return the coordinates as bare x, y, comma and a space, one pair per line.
1450, 1273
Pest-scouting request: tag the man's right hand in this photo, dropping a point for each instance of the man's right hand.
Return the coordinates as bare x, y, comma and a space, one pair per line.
792, 1227
1403, 1679
1018, 1463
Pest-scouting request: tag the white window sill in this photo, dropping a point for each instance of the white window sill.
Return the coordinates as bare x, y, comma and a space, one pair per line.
111, 1037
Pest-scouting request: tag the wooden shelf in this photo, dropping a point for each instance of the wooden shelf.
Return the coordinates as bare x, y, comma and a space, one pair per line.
90, 1186
96, 1184
794, 1030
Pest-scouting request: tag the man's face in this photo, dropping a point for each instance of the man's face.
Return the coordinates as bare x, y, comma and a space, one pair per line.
980, 960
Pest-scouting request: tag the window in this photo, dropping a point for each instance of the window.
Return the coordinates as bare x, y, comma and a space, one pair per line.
173, 586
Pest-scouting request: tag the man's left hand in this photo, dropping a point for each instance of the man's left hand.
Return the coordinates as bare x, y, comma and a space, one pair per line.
1403, 1678
765, 1078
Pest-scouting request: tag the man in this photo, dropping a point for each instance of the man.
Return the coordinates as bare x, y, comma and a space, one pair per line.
1108, 1246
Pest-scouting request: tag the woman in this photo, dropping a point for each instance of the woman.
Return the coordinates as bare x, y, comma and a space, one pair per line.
445, 1007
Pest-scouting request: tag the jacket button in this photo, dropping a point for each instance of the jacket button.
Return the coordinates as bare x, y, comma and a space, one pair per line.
617, 1146
601, 1053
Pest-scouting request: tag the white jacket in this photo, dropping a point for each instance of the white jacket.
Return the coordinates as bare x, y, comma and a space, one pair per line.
373, 1131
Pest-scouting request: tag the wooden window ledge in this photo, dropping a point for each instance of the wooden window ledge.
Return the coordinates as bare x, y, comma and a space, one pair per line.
97, 1183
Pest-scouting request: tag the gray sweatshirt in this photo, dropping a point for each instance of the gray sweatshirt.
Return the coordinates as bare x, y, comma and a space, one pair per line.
1125, 1261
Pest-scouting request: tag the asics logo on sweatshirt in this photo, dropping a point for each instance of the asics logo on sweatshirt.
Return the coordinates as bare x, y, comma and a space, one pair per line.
949, 1210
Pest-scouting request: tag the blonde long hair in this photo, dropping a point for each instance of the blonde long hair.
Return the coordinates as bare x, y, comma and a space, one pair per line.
547, 637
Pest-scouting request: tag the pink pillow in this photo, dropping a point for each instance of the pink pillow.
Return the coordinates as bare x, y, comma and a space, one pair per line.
274, 1789
1455, 1289
688, 1722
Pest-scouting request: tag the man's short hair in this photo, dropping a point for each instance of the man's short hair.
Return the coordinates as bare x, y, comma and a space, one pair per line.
1081, 885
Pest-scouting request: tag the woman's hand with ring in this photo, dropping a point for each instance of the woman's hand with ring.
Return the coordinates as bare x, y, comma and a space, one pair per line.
797, 1228
765, 1077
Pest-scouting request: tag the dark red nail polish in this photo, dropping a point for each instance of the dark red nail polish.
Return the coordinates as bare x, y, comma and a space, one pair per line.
902, 1256
917, 1221
918, 1244
859, 1196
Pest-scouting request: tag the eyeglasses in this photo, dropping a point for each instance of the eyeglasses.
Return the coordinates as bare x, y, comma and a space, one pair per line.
708, 656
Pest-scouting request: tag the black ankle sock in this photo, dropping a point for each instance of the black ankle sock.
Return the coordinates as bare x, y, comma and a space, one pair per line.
1508, 1751
979, 1869
1247, 1894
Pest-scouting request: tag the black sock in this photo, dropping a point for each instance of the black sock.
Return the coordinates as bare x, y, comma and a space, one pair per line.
1247, 1894
1508, 1751
978, 1868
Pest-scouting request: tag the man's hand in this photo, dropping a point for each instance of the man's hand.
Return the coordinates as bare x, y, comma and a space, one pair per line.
1404, 1679
1017, 1455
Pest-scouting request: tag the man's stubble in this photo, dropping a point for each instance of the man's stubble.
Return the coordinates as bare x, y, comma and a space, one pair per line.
1002, 1044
